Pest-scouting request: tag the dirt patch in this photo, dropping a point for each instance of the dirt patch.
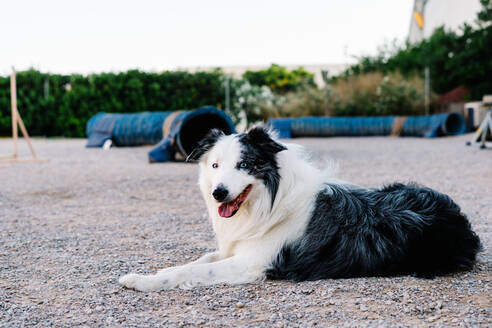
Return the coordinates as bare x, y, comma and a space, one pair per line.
71, 226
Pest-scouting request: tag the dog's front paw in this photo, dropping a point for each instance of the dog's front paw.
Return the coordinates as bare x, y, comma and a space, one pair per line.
141, 282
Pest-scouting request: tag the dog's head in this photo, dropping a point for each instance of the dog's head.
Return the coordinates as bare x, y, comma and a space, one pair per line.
237, 167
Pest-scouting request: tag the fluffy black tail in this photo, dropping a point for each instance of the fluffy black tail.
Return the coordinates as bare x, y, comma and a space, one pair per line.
447, 244
399, 229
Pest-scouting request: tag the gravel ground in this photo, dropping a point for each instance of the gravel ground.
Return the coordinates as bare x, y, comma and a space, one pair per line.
71, 226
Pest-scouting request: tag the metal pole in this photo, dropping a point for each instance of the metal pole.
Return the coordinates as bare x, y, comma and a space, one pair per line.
227, 94
324, 74
46, 87
427, 90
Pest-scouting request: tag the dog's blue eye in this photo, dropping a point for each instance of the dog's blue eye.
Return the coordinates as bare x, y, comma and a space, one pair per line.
215, 165
243, 165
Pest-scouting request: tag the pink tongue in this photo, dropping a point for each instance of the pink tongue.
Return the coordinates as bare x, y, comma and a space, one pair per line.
227, 209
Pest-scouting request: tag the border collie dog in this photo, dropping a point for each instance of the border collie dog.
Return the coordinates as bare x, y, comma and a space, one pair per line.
276, 216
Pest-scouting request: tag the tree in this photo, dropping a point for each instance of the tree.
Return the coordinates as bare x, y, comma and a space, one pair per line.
454, 59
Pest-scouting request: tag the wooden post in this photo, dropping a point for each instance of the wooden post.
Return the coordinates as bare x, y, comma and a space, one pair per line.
25, 134
13, 102
17, 120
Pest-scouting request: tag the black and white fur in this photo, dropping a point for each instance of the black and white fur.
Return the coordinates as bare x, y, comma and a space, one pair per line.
298, 223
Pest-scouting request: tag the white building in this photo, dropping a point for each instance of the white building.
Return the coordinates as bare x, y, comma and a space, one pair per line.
432, 14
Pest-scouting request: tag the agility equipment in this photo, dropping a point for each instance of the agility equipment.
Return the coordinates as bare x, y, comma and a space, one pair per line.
18, 122
428, 126
484, 132
186, 129
175, 133
126, 129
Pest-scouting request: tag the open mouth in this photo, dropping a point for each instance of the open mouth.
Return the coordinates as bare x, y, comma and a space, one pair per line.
228, 209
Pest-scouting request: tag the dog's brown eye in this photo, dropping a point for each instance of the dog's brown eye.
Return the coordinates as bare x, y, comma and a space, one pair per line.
215, 165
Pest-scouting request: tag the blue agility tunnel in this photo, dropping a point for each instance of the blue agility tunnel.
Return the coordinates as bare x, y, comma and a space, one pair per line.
431, 126
428, 126
126, 129
175, 133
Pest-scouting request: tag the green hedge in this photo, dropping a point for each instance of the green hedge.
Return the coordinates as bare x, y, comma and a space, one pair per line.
60, 105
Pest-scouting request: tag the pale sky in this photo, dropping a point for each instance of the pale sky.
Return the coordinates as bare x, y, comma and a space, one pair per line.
66, 36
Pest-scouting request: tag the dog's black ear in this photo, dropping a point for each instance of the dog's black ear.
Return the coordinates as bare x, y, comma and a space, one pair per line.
259, 136
205, 144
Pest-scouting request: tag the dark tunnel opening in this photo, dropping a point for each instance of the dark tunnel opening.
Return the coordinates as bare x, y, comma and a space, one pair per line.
453, 125
195, 128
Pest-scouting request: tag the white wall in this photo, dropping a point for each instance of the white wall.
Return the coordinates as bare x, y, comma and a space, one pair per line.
450, 13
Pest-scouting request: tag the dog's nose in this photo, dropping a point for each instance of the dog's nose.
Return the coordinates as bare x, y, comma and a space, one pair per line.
220, 193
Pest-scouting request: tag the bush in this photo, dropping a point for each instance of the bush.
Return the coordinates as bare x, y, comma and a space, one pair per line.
279, 79
60, 105
305, 101
375, 94
247, 101
371, 94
